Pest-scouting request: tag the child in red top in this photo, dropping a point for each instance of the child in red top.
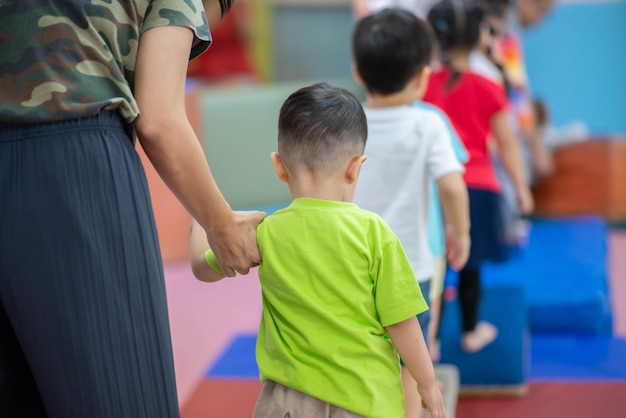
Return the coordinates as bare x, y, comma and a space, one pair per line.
477, 108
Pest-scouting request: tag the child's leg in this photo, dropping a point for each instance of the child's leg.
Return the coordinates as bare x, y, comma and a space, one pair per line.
469, 297
476, 335
434, 345
412, 399
436, 307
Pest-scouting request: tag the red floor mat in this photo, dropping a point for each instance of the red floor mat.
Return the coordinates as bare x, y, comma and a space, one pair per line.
236, 399
222, 399
552, 400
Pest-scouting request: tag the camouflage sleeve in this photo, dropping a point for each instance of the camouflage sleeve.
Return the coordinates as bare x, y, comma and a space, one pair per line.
187, 13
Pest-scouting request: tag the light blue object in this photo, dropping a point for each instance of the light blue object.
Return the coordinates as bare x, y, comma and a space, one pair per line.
436, 236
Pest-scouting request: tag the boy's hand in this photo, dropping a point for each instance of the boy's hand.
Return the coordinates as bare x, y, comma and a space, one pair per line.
457, 249
235, 245
432, 400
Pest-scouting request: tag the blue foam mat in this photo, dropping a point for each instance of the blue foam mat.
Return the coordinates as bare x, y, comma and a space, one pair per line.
238, 361
582, 358
506, 360
564, 273
578, 358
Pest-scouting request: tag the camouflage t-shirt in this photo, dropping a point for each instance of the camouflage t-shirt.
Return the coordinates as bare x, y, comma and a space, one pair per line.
63, 59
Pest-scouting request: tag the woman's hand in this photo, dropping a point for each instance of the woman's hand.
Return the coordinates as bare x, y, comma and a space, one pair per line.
234, 244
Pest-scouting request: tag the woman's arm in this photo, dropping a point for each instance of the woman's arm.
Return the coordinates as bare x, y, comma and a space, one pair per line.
170, 143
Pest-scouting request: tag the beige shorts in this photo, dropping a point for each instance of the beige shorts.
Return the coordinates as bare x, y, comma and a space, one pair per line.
278, 401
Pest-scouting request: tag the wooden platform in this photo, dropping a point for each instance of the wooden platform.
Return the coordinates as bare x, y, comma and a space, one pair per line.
590, 178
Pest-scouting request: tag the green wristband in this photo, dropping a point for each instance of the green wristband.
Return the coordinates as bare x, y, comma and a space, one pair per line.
210, 259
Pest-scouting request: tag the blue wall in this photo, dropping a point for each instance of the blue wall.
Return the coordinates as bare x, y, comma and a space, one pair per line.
576, 61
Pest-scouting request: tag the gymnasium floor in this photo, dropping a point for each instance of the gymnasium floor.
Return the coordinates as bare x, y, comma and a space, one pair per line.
571, 377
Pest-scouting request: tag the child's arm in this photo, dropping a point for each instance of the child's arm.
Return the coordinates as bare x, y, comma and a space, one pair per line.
408, 339
511, 157
198, 247
455, 205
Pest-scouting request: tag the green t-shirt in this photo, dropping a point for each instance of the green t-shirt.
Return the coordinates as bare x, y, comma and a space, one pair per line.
68, 59
333, 276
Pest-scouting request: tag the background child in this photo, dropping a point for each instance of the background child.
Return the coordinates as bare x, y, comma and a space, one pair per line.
334, 277
437, 238
477, 108
500, 58
408, 147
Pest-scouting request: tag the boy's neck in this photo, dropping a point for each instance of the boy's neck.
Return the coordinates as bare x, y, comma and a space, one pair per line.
405, 97
319, 186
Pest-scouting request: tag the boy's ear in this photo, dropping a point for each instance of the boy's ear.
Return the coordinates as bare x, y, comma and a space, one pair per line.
354, 167
356, 75
279, 167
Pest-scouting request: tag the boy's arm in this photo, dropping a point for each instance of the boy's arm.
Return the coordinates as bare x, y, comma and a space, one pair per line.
198, 247
511, 157
408, 340
455, 205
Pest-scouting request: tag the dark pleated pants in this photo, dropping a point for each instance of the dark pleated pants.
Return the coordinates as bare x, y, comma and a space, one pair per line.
84, 328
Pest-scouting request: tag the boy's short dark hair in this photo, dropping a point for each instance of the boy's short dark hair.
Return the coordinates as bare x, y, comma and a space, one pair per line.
319, 126
390, 47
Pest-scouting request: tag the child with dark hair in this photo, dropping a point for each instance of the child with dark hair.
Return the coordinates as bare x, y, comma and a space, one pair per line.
477, 108
409, 148
339, 296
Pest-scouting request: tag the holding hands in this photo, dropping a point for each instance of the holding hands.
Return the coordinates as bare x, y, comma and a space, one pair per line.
234, 243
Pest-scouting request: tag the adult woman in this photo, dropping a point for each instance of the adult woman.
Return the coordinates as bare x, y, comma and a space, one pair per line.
83, 316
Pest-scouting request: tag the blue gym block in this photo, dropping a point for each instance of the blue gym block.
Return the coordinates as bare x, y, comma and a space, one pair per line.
564, 273
506, 361
578, 358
